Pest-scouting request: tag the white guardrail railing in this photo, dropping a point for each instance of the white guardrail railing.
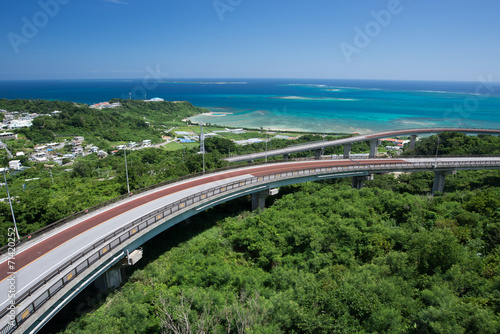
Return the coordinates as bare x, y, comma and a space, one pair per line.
81, 262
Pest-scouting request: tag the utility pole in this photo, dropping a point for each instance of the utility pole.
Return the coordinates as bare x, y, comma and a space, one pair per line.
51, 177
202, 145
10, 203
126, 170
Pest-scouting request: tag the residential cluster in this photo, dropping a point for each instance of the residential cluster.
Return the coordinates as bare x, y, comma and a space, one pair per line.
18, 119
396, 144
48, 152
133, 145
104, 105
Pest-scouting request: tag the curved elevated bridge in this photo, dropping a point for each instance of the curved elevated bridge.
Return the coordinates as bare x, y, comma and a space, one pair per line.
54, 265
373, 138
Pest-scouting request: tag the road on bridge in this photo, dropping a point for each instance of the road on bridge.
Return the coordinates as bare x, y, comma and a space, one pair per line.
38, 257
40, 249
354, 139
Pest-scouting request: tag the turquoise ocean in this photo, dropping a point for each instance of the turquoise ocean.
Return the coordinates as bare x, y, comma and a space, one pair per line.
316, 105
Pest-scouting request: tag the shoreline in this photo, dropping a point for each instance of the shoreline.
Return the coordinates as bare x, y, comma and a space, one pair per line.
275, 129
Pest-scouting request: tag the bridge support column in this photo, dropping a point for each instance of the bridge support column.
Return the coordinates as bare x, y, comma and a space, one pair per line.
259, 200
112, 278
413, 141
286, 156
115, 275
439, 178
358, 181
347, 151
373, 148
317, 154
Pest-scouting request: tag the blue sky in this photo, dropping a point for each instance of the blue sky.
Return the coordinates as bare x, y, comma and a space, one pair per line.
455, 40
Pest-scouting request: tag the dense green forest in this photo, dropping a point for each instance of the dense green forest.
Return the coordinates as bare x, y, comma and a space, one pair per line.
324, 258
456, 143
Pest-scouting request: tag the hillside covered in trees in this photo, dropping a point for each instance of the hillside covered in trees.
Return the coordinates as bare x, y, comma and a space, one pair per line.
456, 143
324, 258
132, 121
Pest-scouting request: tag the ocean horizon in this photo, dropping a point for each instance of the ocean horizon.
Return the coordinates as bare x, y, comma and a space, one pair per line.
312, 105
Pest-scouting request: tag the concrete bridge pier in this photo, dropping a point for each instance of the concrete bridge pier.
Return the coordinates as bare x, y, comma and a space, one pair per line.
373, 148
347, 151
259, 198
358, 181
286, 156
439, 178
318, 153
115, 275
112, 278
413, 141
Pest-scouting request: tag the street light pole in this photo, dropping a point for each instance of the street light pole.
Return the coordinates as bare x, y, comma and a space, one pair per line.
266, 145
10, 203
126, 170
202, 145
324, 137
437, 148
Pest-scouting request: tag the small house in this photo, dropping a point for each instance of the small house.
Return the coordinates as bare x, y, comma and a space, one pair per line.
15, 164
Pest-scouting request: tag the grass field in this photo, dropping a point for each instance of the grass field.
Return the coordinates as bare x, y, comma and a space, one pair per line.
174, 146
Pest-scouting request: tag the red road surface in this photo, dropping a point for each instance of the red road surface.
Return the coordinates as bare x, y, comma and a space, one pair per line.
40, 249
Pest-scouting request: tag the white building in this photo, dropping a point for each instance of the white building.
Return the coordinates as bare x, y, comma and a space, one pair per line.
15, 164
18, 123
8, 135
155, 99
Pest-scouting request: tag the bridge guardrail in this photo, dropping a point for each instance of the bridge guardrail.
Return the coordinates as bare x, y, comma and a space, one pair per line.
109, 242
76, 215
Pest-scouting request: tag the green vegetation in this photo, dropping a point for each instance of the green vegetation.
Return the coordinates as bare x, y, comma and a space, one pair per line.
326, 259
455, 143
323, 259
225, 146
133, 121
90, 180
37, 106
